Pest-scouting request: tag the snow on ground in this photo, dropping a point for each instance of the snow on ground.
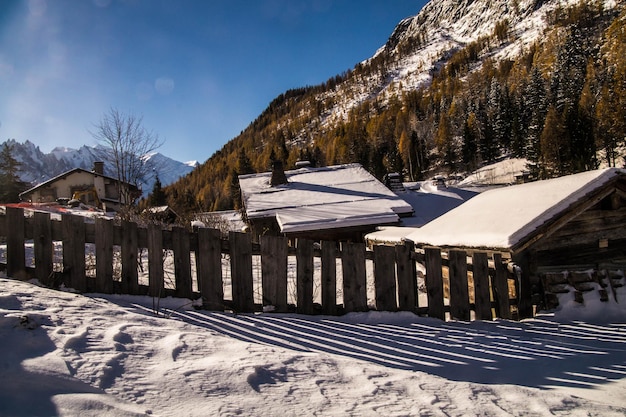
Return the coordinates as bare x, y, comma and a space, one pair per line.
69, 354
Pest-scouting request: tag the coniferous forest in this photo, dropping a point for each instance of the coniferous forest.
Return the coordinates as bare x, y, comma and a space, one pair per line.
560, 103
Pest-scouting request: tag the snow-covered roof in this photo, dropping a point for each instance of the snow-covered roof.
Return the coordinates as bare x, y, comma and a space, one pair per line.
503, 217
322, 198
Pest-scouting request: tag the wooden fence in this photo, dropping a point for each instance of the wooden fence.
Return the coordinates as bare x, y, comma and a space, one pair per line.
453, 284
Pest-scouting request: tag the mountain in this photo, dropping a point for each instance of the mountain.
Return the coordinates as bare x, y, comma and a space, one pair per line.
37, 166
457, 86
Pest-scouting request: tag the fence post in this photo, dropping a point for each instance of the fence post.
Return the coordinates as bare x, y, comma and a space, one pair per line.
104, 256
329, 277
407, 278
354, 277
182, 262
501, 288
241, 272
74, 251
482, 299
155, 261
130, 244
459, 289
304, 278
434, 283
42, 237
209, 266
16, 257
274, 258
385, 278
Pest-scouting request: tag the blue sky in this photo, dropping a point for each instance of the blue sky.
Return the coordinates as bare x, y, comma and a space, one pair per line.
197, 71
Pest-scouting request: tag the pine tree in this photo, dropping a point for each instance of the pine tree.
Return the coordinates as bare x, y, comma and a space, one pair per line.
157, 196
444, 141
471, 134
554, 145
10, 183
244, 165
610, 111
566, 88
535, 109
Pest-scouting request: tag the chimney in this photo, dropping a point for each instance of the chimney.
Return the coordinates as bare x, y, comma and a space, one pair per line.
98, 167
278, 174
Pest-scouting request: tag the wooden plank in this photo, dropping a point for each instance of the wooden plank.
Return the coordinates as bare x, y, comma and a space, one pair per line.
74, 252
385, 278
482, 294
129, 252
16, 257
182, 262
524, 288
209, 269
104, 256
155, 261
459, 289
329, 277
434, 283
274, 257
42, 239
354, 277
241, 272
407, 278
304, 277
501, 288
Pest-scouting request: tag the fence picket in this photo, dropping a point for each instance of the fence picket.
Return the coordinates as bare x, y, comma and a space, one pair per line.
16, 257
156, 275
501, 288
104, 256
407, 278
241, 272
182, 262
385, 278
434, 283
304, 277
274, 259
329, 278
482, 298
42, 232
74, 252
209, 269
354, 277
459, 288
129, 251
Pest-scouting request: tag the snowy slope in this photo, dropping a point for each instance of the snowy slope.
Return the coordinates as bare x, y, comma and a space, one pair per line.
68, 355
444, 26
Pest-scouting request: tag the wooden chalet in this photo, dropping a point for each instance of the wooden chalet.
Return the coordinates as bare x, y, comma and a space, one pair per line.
91, 187
573, 223
339, 203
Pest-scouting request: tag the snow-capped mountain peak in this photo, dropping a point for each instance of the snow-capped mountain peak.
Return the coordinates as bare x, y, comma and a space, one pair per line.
37, 166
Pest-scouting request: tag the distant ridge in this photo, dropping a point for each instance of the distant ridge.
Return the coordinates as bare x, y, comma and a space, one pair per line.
37, 166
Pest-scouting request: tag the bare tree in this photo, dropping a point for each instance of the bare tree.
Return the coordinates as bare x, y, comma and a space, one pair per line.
129, 143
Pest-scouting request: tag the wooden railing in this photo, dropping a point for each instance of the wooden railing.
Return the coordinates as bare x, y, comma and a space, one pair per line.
329, 278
